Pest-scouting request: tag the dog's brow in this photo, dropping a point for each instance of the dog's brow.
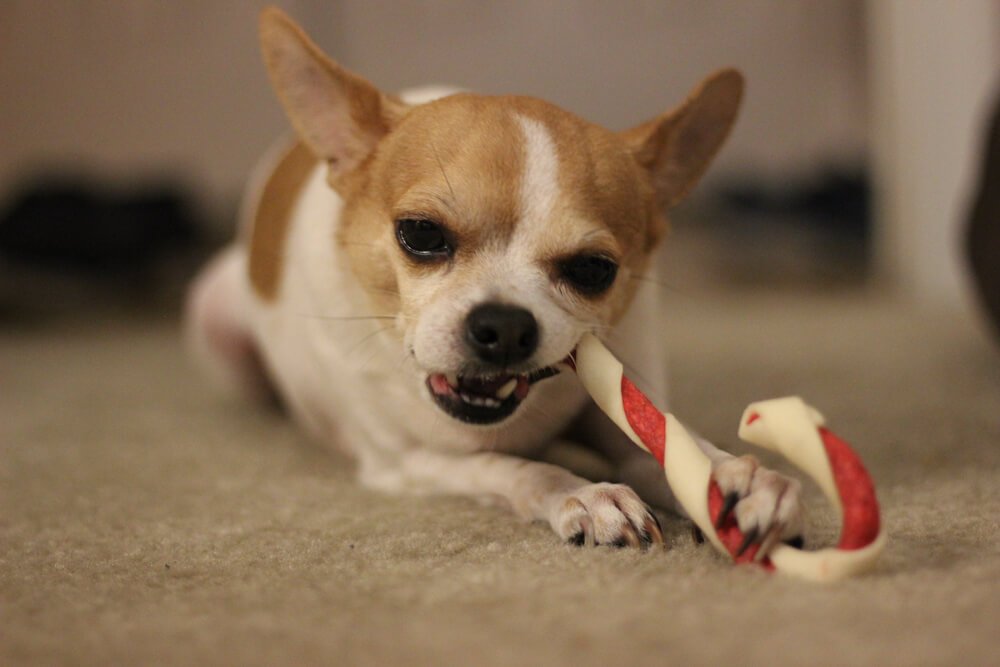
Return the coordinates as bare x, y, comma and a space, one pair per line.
437, 157
425, 200
601, 238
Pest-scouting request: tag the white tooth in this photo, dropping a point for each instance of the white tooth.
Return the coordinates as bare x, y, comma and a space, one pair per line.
452, 379
506, 390
491, 403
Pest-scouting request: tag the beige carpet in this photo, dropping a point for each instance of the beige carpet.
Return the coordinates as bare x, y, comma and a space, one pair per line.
145, 521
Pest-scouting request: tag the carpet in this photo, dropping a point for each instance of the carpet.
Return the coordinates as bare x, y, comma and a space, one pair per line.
146, 520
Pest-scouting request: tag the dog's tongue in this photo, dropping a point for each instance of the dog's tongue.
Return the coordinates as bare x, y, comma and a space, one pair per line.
439, 384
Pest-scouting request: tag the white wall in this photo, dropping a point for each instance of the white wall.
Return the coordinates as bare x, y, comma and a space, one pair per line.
146, 85
618, 63
132, 88
935, 67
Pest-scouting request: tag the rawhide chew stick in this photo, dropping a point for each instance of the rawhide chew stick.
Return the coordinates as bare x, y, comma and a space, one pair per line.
785, 425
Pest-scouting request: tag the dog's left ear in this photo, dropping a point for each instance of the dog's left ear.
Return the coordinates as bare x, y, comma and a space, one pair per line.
339, 115
677, 147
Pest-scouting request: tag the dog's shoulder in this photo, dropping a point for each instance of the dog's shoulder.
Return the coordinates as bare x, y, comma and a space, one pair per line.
274, 190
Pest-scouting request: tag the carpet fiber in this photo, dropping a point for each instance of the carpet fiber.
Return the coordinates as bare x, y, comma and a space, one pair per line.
145, 520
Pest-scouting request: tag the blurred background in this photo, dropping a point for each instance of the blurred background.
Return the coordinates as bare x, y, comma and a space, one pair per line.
127, 129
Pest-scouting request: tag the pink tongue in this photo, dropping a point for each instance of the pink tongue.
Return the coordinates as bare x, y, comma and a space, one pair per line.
439, 384
522, 388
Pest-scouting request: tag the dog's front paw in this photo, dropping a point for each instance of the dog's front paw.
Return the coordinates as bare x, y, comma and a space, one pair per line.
609, 514
767, 505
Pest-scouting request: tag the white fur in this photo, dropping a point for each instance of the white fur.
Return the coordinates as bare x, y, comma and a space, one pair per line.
540, 181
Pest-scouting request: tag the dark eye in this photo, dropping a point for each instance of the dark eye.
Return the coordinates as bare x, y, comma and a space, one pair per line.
589, 274
422, 238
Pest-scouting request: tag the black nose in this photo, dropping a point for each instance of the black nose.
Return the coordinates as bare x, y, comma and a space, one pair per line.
500, 334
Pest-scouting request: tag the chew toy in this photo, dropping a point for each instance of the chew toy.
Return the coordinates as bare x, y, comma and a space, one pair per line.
785, 425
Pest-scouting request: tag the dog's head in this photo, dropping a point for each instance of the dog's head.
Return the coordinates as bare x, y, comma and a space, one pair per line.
498, 229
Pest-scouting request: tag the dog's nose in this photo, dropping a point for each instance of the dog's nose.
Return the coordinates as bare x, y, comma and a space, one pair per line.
501, 334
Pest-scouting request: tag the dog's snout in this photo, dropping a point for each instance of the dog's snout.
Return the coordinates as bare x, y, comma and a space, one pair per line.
501, 334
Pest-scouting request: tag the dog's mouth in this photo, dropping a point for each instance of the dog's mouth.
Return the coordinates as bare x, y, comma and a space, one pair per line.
483, 399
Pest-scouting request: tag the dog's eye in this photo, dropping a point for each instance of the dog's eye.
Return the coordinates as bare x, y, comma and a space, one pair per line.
422, 238
589, 274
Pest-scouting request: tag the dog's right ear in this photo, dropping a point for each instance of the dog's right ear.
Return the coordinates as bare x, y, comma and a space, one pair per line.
677, 147
339, 115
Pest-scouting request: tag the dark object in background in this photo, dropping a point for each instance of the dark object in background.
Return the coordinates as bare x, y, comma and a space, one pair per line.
75, 224
983, 234
804, 230
837, 199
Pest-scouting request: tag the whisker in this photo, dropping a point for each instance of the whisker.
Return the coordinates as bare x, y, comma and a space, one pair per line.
369, 358
536, 411
383, 290
375, 288
366, 338
437, 157
349, 318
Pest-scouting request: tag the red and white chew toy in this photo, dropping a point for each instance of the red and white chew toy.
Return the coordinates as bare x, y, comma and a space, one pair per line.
785, 425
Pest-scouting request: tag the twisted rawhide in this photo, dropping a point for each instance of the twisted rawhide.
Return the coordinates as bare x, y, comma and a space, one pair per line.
785, 425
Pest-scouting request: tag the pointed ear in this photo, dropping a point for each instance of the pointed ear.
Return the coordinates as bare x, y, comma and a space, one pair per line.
339, 115
677, 147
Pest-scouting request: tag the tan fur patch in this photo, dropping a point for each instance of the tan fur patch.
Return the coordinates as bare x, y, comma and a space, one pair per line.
272, 218
457, 161
460, 161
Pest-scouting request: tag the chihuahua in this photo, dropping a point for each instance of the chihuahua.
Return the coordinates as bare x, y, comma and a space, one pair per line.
412, 270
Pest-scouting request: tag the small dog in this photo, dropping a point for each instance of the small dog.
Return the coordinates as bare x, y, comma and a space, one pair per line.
413, 268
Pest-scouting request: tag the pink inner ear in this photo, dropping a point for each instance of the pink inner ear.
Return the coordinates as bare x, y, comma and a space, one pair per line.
319, 96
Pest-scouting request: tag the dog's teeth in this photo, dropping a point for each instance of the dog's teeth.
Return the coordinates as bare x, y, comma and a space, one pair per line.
452, 379
506, 390
480, 401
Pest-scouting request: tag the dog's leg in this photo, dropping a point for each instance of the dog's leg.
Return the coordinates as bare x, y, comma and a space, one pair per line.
577, 510
630, 465
217, 328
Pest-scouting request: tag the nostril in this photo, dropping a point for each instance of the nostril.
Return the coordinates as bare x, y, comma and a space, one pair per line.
485, 335
528, 339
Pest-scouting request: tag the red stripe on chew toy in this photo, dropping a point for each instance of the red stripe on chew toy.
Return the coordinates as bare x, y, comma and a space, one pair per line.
861, 522
647, 422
